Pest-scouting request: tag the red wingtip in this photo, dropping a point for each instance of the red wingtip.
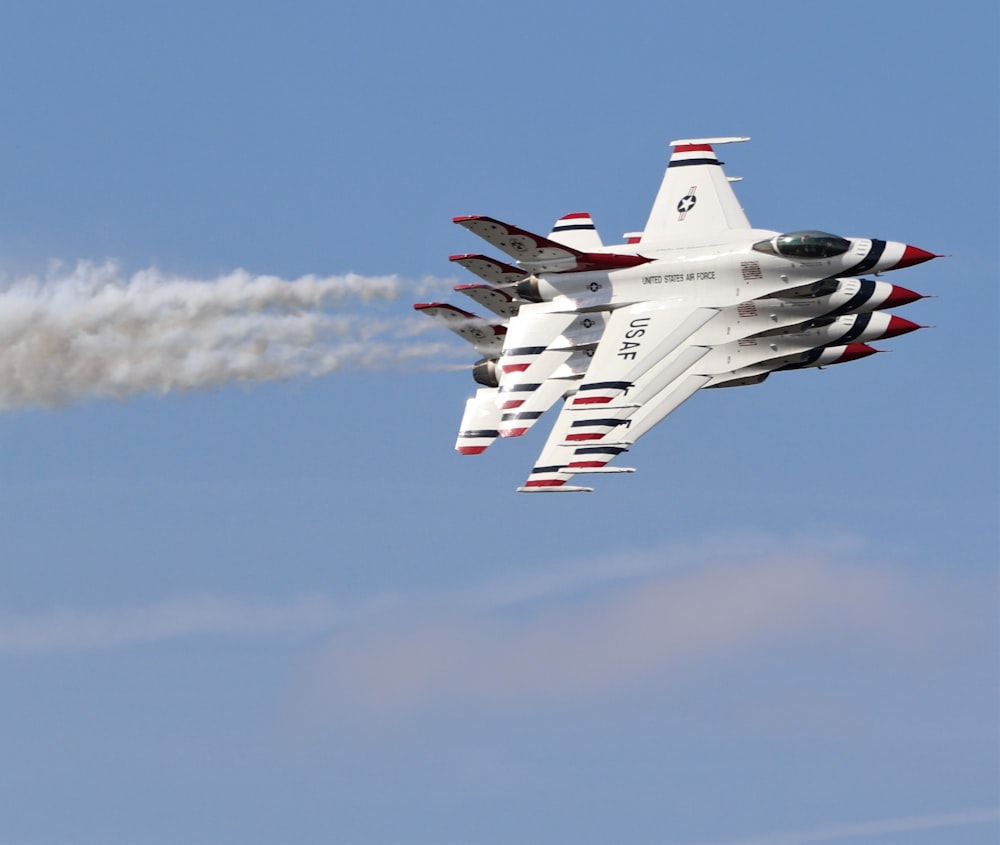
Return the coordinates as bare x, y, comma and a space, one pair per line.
914, 255
471, 450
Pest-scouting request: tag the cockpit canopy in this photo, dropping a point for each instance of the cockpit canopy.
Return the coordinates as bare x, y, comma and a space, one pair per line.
808, 245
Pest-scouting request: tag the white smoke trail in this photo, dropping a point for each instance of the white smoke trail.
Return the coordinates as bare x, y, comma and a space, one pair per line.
91, 330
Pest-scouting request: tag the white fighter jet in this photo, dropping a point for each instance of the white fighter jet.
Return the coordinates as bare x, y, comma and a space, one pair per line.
622, 335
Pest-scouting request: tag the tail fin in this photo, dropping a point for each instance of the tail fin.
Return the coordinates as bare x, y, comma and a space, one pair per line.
578, 231
695, 197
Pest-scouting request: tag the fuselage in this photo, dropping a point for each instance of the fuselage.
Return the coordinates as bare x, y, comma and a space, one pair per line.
731, 271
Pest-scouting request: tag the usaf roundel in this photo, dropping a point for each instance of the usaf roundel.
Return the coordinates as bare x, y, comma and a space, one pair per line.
687, 203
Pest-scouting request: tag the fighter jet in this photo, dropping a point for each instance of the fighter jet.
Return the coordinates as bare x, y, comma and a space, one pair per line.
620, 336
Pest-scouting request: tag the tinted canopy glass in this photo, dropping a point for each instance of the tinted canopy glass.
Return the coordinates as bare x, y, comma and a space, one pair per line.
808, 244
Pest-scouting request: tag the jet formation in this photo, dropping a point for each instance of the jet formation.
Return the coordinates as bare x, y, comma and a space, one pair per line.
620, 336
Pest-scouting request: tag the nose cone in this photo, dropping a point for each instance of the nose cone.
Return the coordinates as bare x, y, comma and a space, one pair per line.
900, 296
913, 255
855, 351
898, 326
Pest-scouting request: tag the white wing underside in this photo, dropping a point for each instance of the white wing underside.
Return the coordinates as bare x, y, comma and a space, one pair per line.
643, 369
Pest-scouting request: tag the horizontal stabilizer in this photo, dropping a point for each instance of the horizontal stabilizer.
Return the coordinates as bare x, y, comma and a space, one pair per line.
486, 337
480, 423
498, 301
537, 254
490, 270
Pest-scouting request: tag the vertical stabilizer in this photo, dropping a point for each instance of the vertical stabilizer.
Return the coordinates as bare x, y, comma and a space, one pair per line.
577, 231
695, 200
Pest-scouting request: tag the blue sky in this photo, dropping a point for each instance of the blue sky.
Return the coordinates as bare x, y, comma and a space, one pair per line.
258, 598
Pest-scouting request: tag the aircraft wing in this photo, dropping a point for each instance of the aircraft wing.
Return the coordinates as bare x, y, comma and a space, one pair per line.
544, 354
587, 443
653, 357
641, 371
696, 200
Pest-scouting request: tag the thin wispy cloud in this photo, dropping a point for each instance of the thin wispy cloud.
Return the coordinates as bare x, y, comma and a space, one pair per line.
92, 330
621, 621
588, 627
621, 636
68, 629
866, 830
583, 582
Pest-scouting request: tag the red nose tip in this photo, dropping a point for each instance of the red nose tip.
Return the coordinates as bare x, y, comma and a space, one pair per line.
900, 296
898, 326
913, 255
854, 351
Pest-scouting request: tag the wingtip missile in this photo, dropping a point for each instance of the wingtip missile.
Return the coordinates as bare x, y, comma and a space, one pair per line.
563, 488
